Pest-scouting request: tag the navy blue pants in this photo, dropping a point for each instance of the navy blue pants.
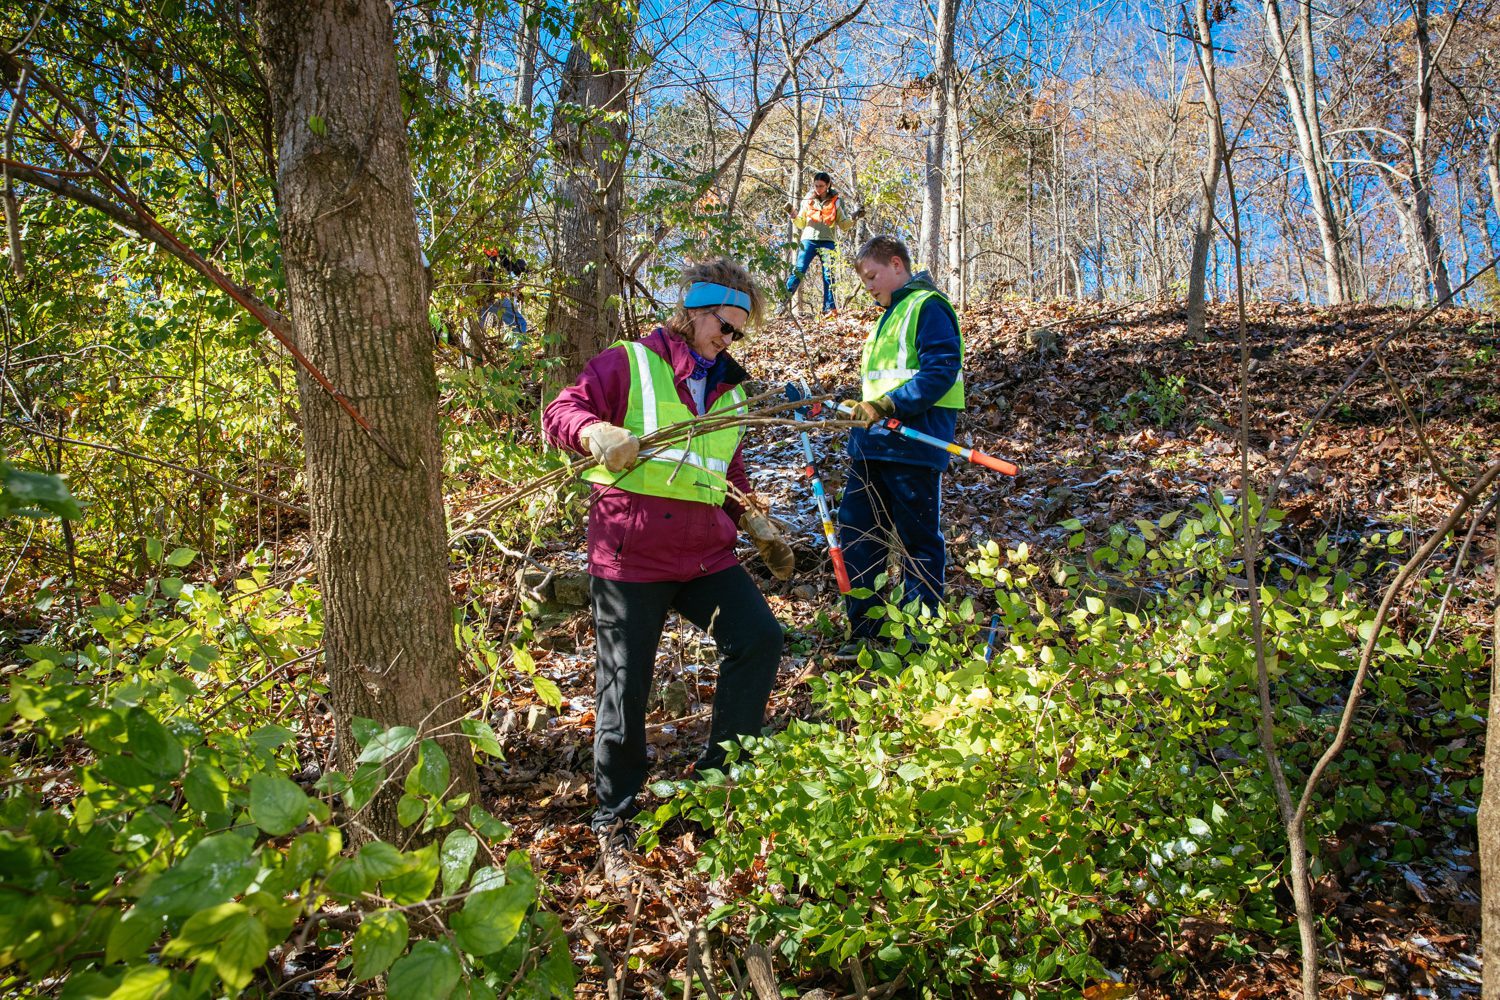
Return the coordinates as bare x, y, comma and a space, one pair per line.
811, 249
628, 621
891, 505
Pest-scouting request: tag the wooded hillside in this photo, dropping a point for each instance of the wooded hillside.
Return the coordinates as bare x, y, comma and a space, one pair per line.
299, 670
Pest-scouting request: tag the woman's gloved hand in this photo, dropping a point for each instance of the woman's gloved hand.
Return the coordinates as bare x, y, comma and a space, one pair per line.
870, 412
613, 447
773, 548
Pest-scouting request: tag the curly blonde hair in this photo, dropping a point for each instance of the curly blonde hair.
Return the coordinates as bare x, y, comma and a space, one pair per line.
720, 272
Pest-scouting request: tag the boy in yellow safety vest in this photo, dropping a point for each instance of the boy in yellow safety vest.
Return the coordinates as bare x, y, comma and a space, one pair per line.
912, 369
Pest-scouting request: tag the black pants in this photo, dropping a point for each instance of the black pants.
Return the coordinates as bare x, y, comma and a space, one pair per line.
628, 620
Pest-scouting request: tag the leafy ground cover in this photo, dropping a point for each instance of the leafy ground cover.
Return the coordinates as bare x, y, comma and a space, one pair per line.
1082, 813
1401, 909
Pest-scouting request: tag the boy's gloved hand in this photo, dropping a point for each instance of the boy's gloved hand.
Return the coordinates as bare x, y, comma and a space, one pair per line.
613, 447
773, 548
870, 412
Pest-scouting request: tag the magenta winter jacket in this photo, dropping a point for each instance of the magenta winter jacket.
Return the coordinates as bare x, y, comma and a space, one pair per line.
635, 538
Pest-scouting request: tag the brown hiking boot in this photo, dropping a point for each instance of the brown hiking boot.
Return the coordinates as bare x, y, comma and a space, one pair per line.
616, 854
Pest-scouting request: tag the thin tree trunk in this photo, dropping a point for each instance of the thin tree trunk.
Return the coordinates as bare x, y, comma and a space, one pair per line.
357, 297
1158, 271
1059, 289
1492, 170
1302, 103
937, 136
799, 167
1421, 169
1460, 198
435, 68
1031, 216
955, 282
1489, 803
1068, 262
474, 64
1099, 272
1203, 230
1492, 181
528, 44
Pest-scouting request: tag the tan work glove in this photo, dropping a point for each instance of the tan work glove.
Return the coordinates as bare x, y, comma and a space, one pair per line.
613, 447
870, 412
773, 549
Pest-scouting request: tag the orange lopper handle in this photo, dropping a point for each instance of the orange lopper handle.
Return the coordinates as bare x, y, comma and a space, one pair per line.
991, 462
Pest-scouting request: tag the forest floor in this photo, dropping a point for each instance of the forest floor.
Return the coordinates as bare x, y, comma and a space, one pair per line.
1112, 415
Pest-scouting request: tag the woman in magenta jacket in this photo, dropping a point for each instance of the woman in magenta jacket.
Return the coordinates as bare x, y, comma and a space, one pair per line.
651, 553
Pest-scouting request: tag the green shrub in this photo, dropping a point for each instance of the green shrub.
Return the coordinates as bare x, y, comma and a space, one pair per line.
159, 838
955, 820
1161, 399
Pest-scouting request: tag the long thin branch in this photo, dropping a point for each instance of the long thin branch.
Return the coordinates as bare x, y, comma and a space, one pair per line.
58, 184
185, 469
1367, 654
141, 218
12, 210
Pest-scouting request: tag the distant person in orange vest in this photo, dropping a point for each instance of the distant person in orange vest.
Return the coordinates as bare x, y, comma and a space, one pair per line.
821, 217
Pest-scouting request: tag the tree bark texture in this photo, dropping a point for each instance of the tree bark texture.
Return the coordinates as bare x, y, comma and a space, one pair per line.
1489, 808
358, 302
1030, 215
1203, 230
1436, 267
1302, 103
589, 133
931, 249
1492, 170
957, 284
528, 42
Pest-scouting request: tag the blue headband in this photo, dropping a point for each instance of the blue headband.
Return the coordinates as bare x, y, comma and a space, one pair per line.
706, 293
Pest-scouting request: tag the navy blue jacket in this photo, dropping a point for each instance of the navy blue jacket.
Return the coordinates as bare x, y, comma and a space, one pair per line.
939, 358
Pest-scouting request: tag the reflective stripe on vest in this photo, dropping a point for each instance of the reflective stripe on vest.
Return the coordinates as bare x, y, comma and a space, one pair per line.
695, 469
890, 355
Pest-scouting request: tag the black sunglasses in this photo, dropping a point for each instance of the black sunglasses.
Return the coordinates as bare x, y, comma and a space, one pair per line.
728, 329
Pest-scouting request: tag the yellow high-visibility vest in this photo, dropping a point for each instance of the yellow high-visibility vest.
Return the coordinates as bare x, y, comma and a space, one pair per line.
694, 469
890, 355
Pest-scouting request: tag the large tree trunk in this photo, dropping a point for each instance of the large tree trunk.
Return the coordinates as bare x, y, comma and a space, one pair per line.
358, 301
1302, 103
589, 133
930, 251
1203, 231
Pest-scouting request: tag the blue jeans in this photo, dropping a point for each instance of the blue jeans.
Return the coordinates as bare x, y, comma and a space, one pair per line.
810, 249
886, 505
504, 312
